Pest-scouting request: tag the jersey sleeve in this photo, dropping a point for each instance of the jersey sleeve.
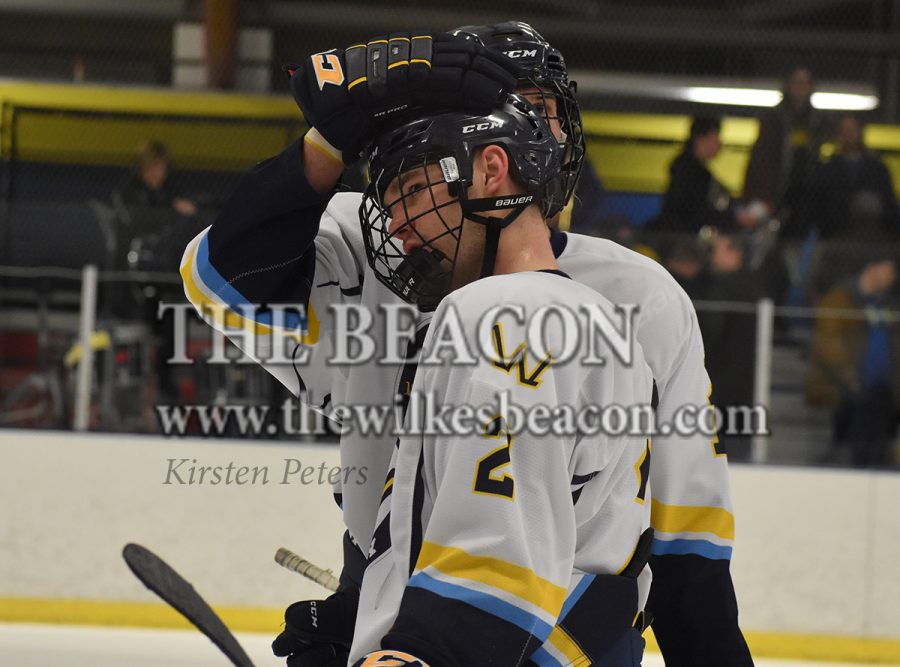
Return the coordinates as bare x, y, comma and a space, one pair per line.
489, 575
269, 268
692, 598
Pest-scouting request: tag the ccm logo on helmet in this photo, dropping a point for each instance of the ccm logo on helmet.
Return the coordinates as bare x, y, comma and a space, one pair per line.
487, 125
521, 53
514, 201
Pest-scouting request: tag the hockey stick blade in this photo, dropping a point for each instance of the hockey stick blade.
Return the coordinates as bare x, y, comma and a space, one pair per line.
291, 561
160, 578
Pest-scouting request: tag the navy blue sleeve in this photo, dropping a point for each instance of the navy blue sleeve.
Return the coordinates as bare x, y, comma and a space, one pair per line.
695, 614
261, 241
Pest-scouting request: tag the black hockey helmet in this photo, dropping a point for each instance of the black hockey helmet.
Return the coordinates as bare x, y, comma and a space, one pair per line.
450, 139
544, 70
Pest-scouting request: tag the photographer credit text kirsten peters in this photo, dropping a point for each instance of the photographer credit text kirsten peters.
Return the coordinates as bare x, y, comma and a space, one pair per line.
188, 472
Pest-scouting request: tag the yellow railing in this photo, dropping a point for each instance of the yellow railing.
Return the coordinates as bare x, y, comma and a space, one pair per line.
630, 152
103, 125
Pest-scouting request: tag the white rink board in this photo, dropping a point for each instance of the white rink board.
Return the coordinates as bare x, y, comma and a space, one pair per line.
71, 502
816, 549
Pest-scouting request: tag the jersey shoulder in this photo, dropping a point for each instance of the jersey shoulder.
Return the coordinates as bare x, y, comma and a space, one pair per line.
344, 207
339, 227
602, 263
563, 313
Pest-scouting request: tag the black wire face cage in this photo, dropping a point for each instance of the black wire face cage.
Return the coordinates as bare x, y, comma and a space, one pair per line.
555, 101
429, 220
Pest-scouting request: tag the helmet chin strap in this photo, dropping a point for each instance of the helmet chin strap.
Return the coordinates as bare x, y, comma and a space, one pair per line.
471, 209
421, 276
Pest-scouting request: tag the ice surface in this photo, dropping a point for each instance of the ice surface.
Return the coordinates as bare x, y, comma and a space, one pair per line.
27, 645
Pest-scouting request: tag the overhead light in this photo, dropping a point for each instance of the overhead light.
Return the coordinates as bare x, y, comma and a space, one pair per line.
745, 97
844, 101
720, 90
754, 97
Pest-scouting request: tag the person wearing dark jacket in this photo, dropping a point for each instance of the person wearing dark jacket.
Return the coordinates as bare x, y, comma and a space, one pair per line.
695, 198
686, 264
855, 196
148, 184
783, 161
730, 337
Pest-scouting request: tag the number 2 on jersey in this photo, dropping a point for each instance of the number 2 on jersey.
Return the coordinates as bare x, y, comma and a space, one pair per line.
487, 479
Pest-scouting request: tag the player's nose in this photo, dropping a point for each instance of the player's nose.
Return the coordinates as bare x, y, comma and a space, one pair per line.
398, 219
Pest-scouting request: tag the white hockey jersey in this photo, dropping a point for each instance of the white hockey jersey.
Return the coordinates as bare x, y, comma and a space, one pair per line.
511, 524
691, 506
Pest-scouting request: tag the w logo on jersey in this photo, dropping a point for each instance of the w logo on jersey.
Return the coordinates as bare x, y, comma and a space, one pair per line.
327, 67
519, 359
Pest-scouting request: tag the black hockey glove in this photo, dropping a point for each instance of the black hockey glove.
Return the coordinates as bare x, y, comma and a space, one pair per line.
345, 93
318, 633
434, 71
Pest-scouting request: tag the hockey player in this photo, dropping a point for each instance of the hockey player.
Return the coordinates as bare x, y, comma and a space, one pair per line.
480, 544
259, 251
692, 601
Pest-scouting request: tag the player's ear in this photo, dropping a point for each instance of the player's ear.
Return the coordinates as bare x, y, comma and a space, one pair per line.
495, 170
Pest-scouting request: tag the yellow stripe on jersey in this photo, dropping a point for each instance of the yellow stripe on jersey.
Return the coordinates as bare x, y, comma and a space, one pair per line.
691, 519
223, 316
567, 646
520, 581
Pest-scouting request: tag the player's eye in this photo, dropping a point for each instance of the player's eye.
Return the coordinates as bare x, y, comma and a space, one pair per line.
414, 188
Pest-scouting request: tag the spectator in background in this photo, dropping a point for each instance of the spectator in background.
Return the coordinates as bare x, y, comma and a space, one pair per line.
764, 257
785, 157
686, 264
730, 337
855, 363
148, 185
695, 198
154, 227
855, 196
154, 221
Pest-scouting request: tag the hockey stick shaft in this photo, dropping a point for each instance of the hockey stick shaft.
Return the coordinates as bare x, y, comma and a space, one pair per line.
291, 561
162, 579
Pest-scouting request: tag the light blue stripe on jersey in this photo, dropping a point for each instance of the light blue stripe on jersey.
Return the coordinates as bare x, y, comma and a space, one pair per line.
576, 594
215, 283
494, 606
687, 547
